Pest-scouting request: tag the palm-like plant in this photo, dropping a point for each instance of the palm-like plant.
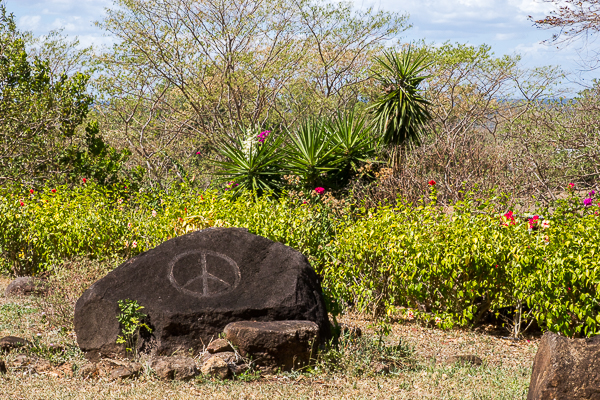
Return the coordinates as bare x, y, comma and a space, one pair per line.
251, 162
310, 154
353, 139
401, 113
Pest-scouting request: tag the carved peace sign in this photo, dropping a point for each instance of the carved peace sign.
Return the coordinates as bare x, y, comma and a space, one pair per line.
204, 273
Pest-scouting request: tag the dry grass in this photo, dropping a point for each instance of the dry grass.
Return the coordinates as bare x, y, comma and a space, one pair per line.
504, 375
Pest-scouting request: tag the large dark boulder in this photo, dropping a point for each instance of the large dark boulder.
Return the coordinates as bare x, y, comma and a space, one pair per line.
192, 286
566, 369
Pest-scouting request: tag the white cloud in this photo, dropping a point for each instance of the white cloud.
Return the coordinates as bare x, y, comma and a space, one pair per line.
29, 22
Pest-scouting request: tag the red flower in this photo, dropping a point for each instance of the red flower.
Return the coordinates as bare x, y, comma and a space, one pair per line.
319, 190
571, 185
431, 182
84, 180
53, 190
31, 191
22, 204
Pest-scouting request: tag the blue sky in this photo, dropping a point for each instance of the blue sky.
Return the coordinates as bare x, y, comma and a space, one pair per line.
503, 24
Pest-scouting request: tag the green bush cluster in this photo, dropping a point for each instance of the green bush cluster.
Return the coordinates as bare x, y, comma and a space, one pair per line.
444, 266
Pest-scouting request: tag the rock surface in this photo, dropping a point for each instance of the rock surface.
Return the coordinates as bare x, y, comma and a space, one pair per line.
464, 359
24, 286
180, 368
566, 369
216, 367
219, 346
3, 369
13, 342
275, 345
194, 285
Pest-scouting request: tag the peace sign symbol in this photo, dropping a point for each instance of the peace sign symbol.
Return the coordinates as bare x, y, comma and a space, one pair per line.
203, 273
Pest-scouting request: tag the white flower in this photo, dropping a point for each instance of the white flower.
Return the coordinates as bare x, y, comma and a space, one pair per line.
438, 320
153, 213
545, 224
134, 244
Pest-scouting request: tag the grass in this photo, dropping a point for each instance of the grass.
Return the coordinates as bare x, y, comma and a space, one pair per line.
504, 374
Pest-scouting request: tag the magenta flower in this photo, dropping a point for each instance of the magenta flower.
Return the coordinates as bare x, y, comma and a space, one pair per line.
262, 136
587, 202
592, 193
197, 153
319, 190
571, 186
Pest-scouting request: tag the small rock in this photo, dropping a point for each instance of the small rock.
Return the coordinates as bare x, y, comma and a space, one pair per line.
22, 361
275, 345
380, 369
180, 368
3, 369
216, 367
129, 371
42, 366
464, 359
88, 370
25, 286
219, 346
12, 342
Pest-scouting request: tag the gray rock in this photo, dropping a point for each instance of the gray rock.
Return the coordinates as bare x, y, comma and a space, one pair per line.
274, 345
180, 368
130, 370
216, 367
192, 286
566, 369
464, 359
25, 286
88, 370
13, 342
219, 346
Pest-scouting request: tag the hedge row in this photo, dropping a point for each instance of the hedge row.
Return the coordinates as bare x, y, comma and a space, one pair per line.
446, 267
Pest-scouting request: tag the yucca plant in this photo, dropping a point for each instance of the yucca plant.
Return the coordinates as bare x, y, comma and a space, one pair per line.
251, 162
354, 141
310, 153
401, 113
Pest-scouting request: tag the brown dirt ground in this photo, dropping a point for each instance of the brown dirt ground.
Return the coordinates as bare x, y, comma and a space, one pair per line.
505, 373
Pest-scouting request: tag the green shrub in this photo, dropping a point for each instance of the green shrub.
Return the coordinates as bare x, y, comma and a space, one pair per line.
444, 266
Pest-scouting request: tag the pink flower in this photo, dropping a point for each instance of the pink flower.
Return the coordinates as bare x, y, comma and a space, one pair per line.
22, 204
509, 219
587, 202
319, 190
197, 153
571, 186
262, 136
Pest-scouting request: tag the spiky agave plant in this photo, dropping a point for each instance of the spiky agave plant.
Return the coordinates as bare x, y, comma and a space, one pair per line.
401, 113
251, 162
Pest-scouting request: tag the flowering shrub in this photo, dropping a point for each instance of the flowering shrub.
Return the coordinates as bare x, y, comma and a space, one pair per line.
446, 267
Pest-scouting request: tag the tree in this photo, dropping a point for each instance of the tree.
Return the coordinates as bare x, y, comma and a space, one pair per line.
188, 72
41, 111
401, 113
575, 19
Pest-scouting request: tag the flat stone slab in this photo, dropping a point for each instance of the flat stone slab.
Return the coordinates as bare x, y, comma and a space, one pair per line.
25, 286
566, 369
13, 342
192, 286
274, 345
